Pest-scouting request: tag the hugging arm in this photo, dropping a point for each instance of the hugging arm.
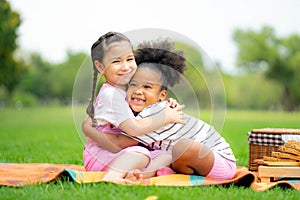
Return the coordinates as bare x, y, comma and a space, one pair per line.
110, 142
138, 127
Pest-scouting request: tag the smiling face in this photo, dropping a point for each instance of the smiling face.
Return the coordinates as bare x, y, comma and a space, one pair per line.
145, 89
118, 64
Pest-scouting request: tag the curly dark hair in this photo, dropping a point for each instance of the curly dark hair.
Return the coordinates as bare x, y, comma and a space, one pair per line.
161, 56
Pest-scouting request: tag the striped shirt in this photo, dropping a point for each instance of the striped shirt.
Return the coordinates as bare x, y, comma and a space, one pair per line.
166, 137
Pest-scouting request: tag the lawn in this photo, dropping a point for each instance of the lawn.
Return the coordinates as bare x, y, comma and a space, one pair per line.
49, 135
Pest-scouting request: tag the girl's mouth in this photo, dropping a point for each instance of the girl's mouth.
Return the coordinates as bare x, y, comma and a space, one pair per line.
138, 100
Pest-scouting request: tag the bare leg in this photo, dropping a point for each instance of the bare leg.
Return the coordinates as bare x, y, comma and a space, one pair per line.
126, 163
159, 161
190, 157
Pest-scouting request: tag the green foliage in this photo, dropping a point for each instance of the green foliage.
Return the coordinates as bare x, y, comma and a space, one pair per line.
24, 100
252, 91
37, 81
192, 55
291, 46
10, 70
34, 79
195, 75
63, 76
51, 83
47, 82
256, 49
278, 58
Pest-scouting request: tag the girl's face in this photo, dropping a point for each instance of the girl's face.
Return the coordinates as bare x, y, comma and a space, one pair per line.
118, 65
145, 89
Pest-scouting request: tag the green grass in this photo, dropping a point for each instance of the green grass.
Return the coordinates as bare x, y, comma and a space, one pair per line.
48, 135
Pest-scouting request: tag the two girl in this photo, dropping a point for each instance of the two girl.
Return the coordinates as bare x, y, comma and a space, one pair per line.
146, 93
112, 56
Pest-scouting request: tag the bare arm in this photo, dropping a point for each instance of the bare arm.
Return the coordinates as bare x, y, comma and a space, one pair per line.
137, 127
110, 142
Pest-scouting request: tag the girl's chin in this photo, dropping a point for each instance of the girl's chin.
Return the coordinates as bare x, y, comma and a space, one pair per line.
137, 108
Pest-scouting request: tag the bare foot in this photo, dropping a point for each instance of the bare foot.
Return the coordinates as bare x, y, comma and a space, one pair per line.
134, 175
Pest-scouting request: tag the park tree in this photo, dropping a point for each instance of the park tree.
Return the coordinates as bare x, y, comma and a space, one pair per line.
63, 76
193, 72
36, 80
277, 57
10, 69
46, 81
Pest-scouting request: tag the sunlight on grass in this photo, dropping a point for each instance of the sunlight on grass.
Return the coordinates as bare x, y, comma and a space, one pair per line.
41, 135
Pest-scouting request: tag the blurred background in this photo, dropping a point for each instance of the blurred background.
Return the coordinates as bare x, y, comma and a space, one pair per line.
255, 45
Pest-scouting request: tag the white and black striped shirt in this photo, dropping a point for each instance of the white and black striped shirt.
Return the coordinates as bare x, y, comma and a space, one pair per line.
166, 137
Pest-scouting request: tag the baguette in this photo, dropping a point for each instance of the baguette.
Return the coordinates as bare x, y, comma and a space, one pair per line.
285, 149
274, 159
293, 144
285, 155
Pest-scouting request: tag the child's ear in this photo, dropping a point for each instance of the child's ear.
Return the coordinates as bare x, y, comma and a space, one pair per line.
163, 95
99, 66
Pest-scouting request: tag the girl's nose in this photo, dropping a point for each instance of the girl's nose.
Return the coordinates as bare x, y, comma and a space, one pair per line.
138, 90
125, 66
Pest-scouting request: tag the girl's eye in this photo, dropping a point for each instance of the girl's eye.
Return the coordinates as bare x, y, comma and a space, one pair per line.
147, 86
115, 61
130, 59
132, 85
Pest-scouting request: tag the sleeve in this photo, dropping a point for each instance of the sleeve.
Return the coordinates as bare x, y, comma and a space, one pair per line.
155, 135
112, 107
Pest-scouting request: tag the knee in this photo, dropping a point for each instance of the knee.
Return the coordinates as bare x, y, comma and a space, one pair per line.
140, 159
182, 145
184, 148
189, 149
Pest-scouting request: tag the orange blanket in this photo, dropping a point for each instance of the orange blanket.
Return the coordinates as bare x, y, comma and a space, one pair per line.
17, 175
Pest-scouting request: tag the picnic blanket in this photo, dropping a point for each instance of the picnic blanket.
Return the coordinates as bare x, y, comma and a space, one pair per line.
17, 175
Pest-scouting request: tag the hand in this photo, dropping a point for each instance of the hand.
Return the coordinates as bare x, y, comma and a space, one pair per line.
173, 102
95, 123
87, 122
174, 115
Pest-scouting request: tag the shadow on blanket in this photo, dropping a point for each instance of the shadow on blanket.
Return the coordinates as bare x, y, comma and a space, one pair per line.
17, 175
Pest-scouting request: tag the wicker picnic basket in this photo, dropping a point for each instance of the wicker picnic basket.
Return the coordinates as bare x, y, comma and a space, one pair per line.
263, 141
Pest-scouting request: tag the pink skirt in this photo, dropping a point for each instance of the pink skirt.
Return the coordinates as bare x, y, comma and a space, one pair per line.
97, 159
